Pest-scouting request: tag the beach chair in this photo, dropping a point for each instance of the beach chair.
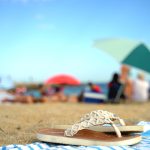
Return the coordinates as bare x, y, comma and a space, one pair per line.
91, 97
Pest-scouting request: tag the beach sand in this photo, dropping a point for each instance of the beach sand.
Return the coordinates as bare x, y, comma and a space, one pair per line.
19, 123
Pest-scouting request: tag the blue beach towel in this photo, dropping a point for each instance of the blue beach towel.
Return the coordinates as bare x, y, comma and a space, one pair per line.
143, 145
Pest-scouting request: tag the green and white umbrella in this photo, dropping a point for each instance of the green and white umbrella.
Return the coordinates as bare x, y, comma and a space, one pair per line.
128, 52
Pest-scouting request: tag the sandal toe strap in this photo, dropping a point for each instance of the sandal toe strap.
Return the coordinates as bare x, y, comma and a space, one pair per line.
95, 118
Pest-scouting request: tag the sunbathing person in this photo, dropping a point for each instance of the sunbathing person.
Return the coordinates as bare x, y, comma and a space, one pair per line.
6, 96
113, 88
58, 94
126, 82
140, 89
12, 97
94, 88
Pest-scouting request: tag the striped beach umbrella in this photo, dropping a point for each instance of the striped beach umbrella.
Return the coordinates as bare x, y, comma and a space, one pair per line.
128, 52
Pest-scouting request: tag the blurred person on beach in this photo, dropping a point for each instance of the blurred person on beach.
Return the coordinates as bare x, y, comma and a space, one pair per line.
50, 93
114, 87
10, 96
90, 87
54, 93
21, 90
94, 88
34, 92
6, 96
19, 96
141, 89
58, 93
43, 95
127, 84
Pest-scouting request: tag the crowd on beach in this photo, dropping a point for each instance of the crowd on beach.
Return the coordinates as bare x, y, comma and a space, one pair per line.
121, 87
42, 93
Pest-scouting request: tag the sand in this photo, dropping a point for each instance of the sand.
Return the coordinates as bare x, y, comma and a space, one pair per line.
19, 123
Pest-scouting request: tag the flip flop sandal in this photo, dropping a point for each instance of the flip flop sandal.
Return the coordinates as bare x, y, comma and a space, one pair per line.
86, 132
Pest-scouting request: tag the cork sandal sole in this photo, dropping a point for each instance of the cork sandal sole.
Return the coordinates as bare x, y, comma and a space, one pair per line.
86, 137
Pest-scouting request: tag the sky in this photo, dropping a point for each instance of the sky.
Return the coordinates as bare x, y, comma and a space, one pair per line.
42, 38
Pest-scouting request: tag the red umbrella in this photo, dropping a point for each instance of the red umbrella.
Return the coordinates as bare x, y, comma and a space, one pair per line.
63, 79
